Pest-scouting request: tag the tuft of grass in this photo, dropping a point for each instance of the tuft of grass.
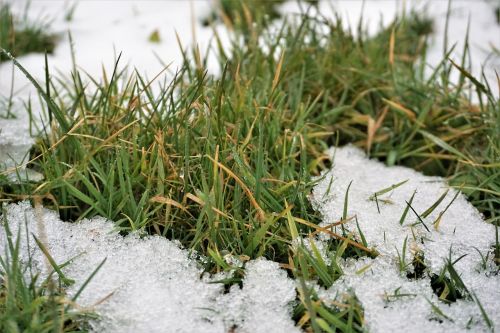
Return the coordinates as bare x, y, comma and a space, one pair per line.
418, 266
326, 271
396, 295
19, 36
375, 196
407, 207
448, 285
240, 15
403, 265
387, 189
420, 220
345, 315
32, 303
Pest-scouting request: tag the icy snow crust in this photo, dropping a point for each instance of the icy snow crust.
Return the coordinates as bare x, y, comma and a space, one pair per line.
150, 284
461, 229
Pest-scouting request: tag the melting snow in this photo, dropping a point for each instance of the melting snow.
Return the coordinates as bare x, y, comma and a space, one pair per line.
461, 229
150, 284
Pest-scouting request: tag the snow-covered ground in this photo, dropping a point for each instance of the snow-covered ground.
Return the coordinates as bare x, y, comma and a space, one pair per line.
377, 282
150, 284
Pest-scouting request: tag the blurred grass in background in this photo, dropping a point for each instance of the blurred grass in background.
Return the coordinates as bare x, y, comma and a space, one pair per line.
20, 36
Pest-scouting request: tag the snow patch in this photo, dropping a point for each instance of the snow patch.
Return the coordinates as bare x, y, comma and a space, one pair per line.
150, 284
15, 143
461, 230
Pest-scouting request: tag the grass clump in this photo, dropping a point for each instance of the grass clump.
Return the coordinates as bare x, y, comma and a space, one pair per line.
241, 14
376, 94
448, 285
19, 36
30, 302
344, 315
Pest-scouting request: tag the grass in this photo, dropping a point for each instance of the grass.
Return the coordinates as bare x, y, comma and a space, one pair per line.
241, 14
30, 302
225, 164
448, 285
20, 36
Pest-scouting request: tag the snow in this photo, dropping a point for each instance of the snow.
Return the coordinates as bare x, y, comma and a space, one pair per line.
265, 289
151, 284
461, 230
15, 143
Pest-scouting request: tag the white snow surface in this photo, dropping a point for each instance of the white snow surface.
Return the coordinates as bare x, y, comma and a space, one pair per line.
150, 284
461, 230
15, 141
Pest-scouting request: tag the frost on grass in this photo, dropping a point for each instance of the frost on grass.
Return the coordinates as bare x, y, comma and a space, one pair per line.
150, 284
395, 298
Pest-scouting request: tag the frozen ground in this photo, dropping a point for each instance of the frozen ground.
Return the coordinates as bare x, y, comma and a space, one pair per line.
148, 284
